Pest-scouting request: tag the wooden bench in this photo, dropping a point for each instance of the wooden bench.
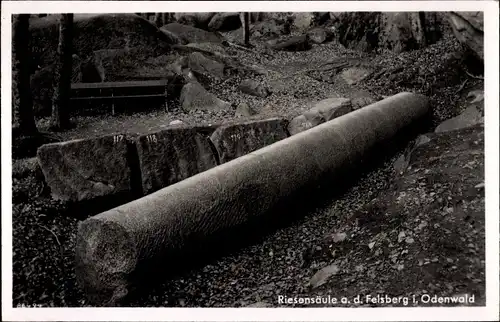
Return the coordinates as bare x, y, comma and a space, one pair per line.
112, 91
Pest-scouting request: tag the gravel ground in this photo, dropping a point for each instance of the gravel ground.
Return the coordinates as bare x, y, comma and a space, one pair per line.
43, 238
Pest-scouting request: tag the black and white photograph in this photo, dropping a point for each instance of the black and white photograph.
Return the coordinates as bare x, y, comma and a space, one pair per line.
248, 159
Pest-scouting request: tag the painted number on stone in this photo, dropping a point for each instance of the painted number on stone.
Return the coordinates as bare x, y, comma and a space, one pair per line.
117, 138
152, 138
236, 136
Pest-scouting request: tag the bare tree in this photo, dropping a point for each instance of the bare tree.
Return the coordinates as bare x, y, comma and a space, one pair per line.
22, 99
158, 19
246, 28
62, 75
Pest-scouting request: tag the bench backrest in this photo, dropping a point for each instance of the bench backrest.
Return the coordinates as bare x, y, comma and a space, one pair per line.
130, 84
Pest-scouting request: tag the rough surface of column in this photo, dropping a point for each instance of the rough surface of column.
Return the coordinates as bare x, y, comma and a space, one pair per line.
114, 245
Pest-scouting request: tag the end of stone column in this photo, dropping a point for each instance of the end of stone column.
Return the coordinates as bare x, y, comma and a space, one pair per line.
106, 255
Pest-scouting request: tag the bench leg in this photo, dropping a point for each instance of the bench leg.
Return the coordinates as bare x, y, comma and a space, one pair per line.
166, 103
112, 105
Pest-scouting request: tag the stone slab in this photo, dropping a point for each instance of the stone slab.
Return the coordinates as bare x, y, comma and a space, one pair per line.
85, 169
235, 140
172, 155
471, 116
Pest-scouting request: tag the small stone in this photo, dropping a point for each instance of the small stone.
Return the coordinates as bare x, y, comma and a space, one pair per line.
339, 237
401, 236
323, 275
409, 240
176, 122
252, 87
370, 245
244, 110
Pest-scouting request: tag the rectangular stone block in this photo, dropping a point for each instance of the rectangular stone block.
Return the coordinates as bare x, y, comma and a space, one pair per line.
235, 140
85, 169
172, 155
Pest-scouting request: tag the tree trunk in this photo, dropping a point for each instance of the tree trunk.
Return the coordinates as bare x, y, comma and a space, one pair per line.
62, 75
22, 100
158, 19
246, 28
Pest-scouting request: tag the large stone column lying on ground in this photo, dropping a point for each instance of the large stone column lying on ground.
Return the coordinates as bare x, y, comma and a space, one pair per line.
114, 246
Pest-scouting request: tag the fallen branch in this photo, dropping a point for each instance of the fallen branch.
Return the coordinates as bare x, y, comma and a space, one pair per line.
461, 86
57, 239
472, 76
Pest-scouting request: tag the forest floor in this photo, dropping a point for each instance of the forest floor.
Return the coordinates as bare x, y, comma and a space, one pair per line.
428, 236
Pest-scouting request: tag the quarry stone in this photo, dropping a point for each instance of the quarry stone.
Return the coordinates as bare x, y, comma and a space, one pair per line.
331, 108
243, 109
471, 116
85, 169
195, 97
361, 101
299, 124
355, 75
252, 87
294, 43
314, 117
319, 35
172, 155
233, 141
198, 63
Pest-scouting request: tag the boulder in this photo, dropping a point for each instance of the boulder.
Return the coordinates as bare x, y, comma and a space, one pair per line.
354, 75
243, 109
235, 140
302, 20
172, 155
361, 101
471, 116
190, 34
469, 30
225, 21
86, 169
195, 97
319, 35
194, 19
396, 31
267, 28
331, 108
96, 32
251, 87
295, 43
299, 124
314, 117
173, 38
200, 64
